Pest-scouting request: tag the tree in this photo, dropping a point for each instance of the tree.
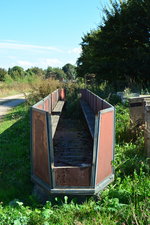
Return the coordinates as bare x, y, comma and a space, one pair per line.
3, 74
55, 73
70, 71
118, 51
35, 71
16, 71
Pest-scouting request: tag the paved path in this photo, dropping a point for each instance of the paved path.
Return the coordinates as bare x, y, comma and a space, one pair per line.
8, 103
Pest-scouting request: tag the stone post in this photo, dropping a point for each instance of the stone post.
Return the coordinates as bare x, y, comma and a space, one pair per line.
147, 128
136, 107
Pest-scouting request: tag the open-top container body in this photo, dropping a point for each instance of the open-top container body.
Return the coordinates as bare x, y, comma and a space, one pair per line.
84, 178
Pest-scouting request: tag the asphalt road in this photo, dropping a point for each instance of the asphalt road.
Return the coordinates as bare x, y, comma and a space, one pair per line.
8, 103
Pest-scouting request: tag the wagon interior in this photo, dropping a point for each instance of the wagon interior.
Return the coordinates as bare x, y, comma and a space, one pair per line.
65, 149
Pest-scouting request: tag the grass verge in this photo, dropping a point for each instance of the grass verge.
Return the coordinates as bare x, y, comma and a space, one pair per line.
14, 155
126, 201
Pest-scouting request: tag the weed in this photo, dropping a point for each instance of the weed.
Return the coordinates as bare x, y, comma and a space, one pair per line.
41, 89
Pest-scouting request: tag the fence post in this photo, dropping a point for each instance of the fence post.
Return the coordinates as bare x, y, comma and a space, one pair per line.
147, 128
136, 106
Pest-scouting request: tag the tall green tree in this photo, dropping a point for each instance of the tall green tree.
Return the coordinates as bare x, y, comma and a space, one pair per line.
3, 74
55, 73
16, 71
35, 71
119, 49
70, 71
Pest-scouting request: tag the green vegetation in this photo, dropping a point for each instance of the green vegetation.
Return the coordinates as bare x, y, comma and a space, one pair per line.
17, 80
18, 85
15, 155
125, 201
117, 55
68, 72
118, 50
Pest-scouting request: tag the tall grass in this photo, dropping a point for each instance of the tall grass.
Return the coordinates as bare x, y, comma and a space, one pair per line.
18, 85
42, 88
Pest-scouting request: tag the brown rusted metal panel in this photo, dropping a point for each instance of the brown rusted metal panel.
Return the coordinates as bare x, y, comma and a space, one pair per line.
95, 104
40, 146
50, 104
62, 94
46, 105
105, 146
92, 102
99, 104
72, 176
105, 105
40, 106
54, 99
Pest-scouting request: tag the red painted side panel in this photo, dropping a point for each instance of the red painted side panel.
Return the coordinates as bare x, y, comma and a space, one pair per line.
50, 104
62, 94
46, 105
53, 101
40, 106
72, 176
54, 98
40, 146
105, 146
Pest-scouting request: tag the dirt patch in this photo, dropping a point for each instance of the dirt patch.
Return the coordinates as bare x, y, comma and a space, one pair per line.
8, 103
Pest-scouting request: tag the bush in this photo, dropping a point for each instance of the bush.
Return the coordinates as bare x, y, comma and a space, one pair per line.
41, 89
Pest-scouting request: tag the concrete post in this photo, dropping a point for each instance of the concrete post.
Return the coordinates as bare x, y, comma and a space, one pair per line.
137, 109
136, 106
147, 128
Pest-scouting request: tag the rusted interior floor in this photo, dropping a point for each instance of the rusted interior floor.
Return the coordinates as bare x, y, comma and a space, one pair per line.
72, 143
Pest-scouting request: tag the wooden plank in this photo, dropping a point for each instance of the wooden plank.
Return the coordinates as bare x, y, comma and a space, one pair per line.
56, 115
59, 106
89, 116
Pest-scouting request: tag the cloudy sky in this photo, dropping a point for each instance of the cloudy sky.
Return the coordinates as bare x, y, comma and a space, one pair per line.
45, 32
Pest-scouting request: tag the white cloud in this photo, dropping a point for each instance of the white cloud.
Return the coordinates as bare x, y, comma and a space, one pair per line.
17, 46
27, 55
25, 64
42, 63
75, 50
13, 41
54, 62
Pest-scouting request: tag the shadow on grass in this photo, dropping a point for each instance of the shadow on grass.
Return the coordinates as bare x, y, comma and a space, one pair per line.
15, 157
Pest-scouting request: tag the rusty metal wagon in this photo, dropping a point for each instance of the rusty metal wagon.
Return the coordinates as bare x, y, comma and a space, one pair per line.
84, 178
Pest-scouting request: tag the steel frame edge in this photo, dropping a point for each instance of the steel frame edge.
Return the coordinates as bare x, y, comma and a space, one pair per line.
95, 143
99, 187
31, 140
49, 150
97, 149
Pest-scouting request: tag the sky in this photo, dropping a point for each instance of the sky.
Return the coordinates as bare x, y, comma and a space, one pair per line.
45, 33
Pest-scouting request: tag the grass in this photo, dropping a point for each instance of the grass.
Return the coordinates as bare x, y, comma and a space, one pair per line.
126, 201
17, 86
14, 155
